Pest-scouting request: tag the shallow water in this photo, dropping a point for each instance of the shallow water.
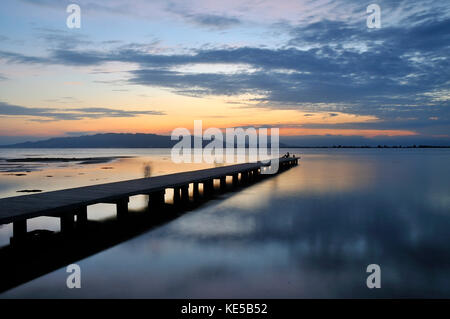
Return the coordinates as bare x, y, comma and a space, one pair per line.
308, 232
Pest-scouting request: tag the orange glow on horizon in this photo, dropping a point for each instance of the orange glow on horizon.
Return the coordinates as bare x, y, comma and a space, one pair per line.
181, 112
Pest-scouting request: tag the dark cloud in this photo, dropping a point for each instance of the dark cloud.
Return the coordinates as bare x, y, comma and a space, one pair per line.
62, 39
214, 21
424, 126
208, 20
23, 59
54, 114
50, 3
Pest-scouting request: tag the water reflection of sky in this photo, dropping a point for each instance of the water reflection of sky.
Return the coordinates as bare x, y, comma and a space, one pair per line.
309, 232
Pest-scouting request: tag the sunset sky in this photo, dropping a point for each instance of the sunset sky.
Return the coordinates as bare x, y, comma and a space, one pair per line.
311, 68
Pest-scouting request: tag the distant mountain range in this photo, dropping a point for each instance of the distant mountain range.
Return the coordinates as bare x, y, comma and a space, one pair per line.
106, 140
141, 140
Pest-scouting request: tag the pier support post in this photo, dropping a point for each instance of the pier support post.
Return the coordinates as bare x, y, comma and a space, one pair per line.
19, 231
156, 199
67, 222
185, 194
208, 188
235, 180
223, 184
82, 217
244, 178
211, 188
256, 175
122, 207
195, 192
176, 196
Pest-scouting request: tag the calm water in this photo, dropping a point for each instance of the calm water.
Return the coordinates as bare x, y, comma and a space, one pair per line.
308, 232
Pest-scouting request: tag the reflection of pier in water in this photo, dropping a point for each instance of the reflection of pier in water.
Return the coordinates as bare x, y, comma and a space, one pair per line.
32, 254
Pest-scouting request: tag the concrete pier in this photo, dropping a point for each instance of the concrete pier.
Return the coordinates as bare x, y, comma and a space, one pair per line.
68, 203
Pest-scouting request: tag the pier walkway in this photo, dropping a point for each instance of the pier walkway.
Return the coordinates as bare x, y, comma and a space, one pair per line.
68, 203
